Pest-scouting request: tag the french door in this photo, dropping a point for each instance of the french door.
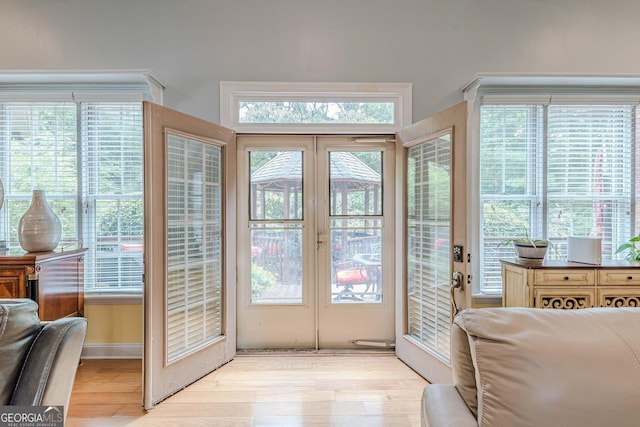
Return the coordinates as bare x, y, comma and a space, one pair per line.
432, 200
189, 307
315, 230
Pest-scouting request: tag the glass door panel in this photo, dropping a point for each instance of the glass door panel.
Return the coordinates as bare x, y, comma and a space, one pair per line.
355, 232
356, 258
276, 214
276, 264
355, 208
276, 240
311, 270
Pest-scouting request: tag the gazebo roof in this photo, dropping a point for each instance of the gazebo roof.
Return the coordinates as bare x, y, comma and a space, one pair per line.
287, 166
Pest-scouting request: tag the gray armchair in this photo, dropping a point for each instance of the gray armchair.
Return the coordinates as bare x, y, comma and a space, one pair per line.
38, 361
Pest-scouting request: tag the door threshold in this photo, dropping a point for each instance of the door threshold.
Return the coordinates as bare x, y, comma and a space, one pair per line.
313, 352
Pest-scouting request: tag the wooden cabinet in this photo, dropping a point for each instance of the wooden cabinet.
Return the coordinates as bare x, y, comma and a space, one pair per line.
55, 280
568, 285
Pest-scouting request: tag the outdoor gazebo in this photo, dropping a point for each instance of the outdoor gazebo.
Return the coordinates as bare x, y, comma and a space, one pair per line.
348, 174
283, 175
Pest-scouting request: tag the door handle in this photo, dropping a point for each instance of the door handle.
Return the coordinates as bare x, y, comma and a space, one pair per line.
457, 282
322, 238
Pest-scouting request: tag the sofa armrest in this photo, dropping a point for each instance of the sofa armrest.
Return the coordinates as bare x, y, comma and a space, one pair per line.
442, 406
49, 370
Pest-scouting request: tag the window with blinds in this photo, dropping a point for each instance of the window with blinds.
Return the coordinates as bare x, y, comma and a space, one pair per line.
38, 151
112, 195
87, 157
554, 171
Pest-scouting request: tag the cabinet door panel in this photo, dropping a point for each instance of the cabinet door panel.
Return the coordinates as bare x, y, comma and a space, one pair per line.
618, 297
515, 287
12, 283
59, 287
564, 298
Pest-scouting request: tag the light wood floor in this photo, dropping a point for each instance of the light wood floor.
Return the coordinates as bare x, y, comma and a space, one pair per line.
256, 390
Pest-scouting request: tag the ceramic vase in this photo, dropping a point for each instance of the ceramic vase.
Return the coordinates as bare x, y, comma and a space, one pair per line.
39, 229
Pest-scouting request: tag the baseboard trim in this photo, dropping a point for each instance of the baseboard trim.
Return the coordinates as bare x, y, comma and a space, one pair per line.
112, 351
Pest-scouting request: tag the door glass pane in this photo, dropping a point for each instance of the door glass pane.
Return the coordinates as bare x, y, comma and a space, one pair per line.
194, 245
428, 246
356, 260
276, 185
355, 183
355, 195
276, 264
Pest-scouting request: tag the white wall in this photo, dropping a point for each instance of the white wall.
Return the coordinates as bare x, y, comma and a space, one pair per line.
438, 45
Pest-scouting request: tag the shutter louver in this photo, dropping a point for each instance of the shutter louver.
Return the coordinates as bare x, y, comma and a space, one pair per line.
428, 246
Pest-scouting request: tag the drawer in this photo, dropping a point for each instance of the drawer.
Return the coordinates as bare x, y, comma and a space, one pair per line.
619, 277
545, 276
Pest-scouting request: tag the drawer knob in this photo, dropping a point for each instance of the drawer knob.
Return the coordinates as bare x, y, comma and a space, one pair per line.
566, 277
629, 277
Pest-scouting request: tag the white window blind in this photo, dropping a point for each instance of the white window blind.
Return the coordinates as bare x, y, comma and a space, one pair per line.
112, 196
555, 171
38, 151
589, 174
78, 136
428, 244
511, 170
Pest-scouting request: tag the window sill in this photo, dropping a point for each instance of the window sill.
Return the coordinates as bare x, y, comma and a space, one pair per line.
112, 298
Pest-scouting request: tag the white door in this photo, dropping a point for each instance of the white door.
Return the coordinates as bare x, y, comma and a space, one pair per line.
189, 305
355, 242
433, 235
313, 225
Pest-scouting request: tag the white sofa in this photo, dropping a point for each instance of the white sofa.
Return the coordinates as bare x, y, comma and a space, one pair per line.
536, 367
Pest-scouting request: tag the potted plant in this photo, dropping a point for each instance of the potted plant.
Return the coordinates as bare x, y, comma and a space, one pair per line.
527, 248
631, 246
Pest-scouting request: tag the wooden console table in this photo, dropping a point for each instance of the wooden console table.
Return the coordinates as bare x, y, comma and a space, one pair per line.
55, 280
569, 285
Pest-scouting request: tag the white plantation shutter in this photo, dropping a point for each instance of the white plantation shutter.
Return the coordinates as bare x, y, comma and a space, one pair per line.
428, 246
112, 194
194, 244
555, 170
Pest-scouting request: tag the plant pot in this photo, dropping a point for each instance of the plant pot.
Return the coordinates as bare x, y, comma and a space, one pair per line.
528, 251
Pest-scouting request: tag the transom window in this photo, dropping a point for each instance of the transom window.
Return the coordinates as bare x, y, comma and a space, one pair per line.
267, 107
